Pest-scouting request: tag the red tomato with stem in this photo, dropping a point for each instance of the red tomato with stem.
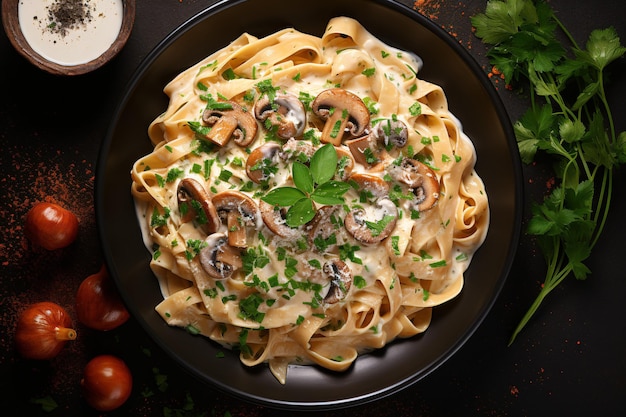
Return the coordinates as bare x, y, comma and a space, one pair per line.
98, 303
50, 226
107, 382
42, 330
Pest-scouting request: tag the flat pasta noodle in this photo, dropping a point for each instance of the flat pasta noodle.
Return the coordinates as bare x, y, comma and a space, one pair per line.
373, 261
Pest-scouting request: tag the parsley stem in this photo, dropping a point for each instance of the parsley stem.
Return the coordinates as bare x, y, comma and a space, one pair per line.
553, 278
607, 108
604, 203
564, 30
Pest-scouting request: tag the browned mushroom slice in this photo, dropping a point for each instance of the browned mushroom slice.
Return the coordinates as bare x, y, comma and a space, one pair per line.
274, 219
342, 111
345, 163
370, 186
340, 280
420, 178
324, 225
391, 132
239, 212
364, 150
285, 112
375, 219
374, 223
228, 121
294, 149
262, 161
218, 258
194, 204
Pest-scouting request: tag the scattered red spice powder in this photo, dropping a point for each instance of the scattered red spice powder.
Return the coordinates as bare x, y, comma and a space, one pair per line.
36, 178
32, 274
429, 8
498, 78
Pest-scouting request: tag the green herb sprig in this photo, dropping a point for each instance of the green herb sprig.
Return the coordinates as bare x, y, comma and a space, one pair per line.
569, 121
313, 183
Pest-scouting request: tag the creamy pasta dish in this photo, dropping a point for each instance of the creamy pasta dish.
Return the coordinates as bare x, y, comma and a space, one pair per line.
308, 199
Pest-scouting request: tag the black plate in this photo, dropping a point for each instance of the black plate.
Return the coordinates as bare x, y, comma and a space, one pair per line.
471, 98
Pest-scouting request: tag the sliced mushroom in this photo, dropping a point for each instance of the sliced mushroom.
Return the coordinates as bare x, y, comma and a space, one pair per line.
274, 219
294, 148
286, 112
342, 111
218, 258
239, 212
325, 223
195, 204
365, 151
420, 178
373, 221
392, 132
370, 186
260, 161
340, 280
229, 120
345, 163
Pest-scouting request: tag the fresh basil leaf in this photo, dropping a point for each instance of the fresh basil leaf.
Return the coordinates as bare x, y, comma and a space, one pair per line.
330, 192
283, 196
324, 163
302, 177
301, 212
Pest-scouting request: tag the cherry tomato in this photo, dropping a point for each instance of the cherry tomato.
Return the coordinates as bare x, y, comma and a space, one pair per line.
42, 330
107, 382
98, 304
51, 226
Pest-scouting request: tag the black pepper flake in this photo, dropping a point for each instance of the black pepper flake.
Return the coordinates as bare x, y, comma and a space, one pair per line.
66, 15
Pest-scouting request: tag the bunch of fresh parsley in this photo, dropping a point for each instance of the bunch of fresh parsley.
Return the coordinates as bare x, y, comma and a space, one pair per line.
569, 121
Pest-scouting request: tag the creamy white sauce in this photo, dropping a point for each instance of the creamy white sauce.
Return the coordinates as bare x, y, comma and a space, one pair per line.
78, 45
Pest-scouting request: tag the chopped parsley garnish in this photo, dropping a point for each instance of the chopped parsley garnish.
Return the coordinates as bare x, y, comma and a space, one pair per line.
315, 263
160, 180
173, 174
368, 72
378, 226
159, 219
415, 109
229, 74
348, 251
254, 258
394, 245
248, 308
194, 246
192, 329
359, 281
438, 264
322, 244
